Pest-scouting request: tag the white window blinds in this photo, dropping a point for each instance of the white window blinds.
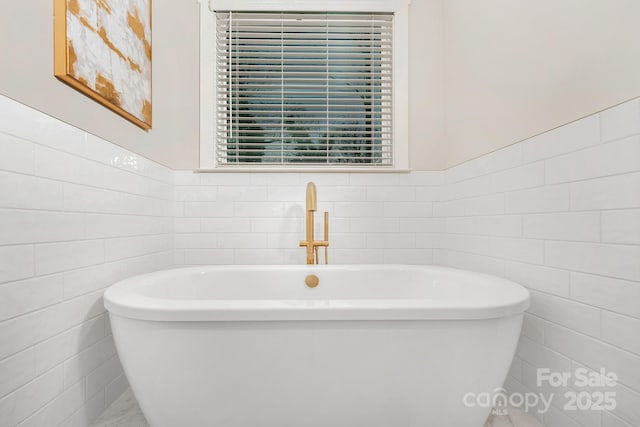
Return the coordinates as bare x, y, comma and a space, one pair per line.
304, 88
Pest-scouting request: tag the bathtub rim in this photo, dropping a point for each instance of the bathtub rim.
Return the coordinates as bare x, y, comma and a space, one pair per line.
121, 299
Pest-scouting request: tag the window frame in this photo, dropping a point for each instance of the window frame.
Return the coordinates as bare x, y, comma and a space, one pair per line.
400, 140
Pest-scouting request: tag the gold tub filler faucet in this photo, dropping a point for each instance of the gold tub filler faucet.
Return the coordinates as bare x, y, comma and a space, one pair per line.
310, 243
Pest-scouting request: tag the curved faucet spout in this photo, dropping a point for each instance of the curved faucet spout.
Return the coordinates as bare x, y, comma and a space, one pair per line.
311, 197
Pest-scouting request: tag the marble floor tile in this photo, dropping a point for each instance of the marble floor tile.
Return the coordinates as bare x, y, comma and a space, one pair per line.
124, 412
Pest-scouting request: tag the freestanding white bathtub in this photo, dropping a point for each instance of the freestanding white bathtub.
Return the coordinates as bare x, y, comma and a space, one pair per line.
371, 346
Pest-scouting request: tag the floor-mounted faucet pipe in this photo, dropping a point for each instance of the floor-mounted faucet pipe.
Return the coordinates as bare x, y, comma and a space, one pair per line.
310, 243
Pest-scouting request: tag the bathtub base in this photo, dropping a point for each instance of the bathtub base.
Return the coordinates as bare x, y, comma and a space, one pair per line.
314, 373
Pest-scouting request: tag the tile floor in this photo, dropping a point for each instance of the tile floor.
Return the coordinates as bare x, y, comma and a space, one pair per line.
125, 412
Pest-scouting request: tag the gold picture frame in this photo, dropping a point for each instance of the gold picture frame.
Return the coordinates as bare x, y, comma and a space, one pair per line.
105, 53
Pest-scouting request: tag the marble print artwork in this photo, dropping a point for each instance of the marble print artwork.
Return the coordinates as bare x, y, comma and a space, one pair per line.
109, 51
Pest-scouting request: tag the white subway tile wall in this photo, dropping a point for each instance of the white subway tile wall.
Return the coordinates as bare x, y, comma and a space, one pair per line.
558, 213
562, 219
76, 214
259, 218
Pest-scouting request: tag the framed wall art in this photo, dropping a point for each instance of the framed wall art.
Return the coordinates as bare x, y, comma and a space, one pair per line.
103, 49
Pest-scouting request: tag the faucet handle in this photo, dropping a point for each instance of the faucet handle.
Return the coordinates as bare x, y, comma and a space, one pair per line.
326, 237
326, 226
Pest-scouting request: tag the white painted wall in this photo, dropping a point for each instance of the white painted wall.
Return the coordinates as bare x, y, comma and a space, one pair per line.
26, 40
26, 75
515, 69
482, 75
427, 143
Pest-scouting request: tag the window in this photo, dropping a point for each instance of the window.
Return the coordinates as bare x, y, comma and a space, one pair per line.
302, 89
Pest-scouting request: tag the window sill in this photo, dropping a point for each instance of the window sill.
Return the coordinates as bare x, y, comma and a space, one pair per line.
283, 169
